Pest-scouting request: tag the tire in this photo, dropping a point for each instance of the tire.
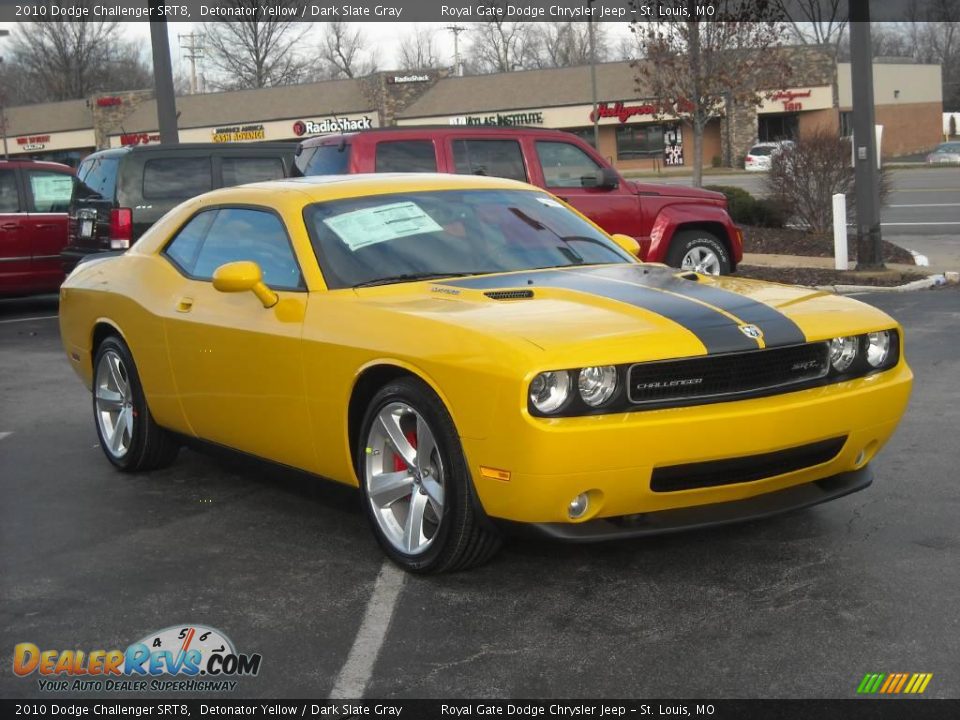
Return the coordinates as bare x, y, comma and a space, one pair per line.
423, 524
700, 251
129, 437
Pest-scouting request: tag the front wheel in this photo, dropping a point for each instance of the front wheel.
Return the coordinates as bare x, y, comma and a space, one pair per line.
699, 251
130, 438
416, 485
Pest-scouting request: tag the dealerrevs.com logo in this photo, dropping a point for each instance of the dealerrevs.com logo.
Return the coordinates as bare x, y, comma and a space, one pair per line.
178, 658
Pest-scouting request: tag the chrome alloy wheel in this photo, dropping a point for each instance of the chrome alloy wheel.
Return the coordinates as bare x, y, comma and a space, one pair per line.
701, 260
114, 402
403, 476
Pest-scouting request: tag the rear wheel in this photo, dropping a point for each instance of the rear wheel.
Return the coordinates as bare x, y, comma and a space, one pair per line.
416, 485
700, 251
130, 438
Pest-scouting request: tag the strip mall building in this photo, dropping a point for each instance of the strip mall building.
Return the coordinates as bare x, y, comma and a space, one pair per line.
632, 134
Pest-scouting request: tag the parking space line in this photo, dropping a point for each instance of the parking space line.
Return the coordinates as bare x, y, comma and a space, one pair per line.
42, 317
953, 204
5, 434
908, 224
356, 671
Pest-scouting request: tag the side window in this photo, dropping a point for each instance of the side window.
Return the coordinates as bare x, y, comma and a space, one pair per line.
98, 177
499, 158
176, 178
246, 234
9, 198
564, 165
50, 192
406, 156
242, 170
184, 247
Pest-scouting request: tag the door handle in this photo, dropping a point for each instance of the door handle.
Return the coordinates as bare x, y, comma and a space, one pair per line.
185, 305
44, 226
10, 226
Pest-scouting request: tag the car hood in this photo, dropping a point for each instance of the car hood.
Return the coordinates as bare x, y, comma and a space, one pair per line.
630, 312
677, 191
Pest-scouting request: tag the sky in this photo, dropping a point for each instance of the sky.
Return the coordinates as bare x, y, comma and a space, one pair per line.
385, 36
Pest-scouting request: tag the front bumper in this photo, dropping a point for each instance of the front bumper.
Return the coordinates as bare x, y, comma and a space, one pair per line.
705, 516
614, 458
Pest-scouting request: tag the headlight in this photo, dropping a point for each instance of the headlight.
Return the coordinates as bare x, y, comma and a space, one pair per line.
878, 348
549, 391
843, 351
597, 384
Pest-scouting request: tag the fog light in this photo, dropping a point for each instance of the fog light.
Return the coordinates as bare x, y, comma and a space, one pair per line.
578, 506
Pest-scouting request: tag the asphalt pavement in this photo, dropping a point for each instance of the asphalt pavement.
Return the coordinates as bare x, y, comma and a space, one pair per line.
797, 606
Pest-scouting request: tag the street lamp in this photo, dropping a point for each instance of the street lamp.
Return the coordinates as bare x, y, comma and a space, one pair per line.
3, 109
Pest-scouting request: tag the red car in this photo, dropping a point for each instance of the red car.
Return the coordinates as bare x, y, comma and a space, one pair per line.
34, 197
683, 227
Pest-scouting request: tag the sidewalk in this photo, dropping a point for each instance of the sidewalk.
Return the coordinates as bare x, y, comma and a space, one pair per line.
787, 261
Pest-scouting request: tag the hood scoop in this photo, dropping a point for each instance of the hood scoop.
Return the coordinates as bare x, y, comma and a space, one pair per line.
509, 294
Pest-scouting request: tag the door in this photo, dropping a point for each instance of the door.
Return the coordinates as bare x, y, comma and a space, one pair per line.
48, 199
15, 256
564, 165
236, 364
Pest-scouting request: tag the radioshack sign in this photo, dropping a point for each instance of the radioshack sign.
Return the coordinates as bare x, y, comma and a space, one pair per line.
331, 125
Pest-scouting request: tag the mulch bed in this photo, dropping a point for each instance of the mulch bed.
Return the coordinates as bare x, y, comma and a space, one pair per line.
787, 241
822, 276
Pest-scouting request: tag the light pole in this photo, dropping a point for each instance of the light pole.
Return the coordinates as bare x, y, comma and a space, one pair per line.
3, 108
593, 77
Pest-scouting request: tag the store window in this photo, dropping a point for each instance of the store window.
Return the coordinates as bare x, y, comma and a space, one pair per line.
773, 128
846, 124
498, 158
585, 134
640, 141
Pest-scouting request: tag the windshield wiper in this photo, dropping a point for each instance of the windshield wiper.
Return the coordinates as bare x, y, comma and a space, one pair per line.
412, 277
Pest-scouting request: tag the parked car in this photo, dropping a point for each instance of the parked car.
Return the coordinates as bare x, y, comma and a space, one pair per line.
122, 192
760, 155
467, 350
34, 197
945, 153
680, 226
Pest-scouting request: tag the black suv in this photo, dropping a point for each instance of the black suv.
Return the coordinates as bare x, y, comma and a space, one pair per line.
120, 193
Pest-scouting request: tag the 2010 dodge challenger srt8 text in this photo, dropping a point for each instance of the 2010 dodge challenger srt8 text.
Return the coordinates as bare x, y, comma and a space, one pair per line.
468, 351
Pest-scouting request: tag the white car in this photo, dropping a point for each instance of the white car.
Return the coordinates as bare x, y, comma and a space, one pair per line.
948, 153
758, 159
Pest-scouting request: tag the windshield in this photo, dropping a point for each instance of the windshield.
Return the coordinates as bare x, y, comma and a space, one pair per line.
410, 236
948, 148
761, 150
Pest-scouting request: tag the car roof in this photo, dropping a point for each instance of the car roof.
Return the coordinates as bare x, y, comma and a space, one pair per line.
39, 164
289, 146
328, 187
403, 131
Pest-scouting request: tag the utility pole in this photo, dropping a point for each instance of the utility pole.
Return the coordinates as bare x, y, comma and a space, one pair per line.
163, 77
3, 109
193, 51
593, 78
866, 180
457, 65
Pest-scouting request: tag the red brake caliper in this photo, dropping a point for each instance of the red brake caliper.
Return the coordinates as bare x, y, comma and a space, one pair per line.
398, 462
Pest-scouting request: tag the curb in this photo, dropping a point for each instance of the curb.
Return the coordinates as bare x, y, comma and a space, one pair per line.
929, 282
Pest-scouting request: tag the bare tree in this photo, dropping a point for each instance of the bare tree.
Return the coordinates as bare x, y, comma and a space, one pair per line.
52, 61
564, 44
815, 22
499, 46
695, 70
343, 51
418, 50
254, 53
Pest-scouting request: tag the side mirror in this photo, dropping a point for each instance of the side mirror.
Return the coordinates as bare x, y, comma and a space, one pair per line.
603, 179
625, 242
242, 276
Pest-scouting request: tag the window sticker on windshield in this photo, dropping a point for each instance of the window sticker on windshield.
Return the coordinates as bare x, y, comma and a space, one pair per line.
549, 202
369, 226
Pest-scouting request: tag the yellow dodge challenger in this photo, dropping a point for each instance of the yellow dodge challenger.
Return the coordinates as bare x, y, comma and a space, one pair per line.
471, 353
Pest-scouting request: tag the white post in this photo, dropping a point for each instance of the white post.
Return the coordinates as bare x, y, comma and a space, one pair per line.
840, 231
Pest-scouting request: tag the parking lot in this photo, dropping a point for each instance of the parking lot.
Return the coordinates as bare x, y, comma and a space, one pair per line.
798, 606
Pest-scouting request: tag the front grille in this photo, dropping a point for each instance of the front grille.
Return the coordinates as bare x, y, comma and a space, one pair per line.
724, 376
744, 469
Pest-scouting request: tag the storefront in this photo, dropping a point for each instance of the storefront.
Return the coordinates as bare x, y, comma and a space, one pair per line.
55, 132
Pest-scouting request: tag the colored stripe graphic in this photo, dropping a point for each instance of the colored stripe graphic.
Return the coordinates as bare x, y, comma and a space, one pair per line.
894, 683
706, 312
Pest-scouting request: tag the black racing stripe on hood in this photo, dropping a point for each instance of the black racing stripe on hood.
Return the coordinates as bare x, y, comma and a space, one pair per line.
778, 329
717, 332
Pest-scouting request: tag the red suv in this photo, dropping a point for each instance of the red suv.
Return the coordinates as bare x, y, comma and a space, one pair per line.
34, 197
683, 227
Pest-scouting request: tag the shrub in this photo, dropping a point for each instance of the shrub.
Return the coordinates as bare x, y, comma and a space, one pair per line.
716, 160
740, 203
804, 177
